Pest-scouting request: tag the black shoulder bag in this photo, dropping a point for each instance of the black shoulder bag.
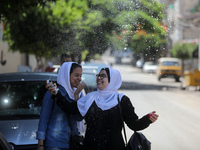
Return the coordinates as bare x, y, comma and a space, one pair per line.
137, 141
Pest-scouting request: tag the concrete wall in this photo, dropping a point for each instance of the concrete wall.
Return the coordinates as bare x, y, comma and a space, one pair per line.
13, 60
183, 18
186, 6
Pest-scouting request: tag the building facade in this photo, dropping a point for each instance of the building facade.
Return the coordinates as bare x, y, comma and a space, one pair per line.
183, 22
14, 61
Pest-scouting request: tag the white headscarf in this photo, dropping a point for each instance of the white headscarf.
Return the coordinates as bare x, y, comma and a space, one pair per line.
63, 78
106, 98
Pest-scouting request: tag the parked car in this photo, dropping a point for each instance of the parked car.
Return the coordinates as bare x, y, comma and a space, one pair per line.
57, 67
89, 74
169, 68
91, 69
21, 97
124, 56
93, 66
90, 80
149, 67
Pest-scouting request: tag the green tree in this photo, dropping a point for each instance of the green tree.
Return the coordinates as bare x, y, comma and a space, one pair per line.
96, 27
106, 20
183, 51
76, 26
10, 8
43, 31
145, 31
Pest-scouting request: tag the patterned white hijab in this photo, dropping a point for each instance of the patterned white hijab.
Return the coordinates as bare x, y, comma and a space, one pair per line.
63, 78
106, 98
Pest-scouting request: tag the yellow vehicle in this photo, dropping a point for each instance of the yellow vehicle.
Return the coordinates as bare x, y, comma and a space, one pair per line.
169, 67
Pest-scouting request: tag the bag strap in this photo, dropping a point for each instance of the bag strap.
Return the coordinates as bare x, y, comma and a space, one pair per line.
120, 109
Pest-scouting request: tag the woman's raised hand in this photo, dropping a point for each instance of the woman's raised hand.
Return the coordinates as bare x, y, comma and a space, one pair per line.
80, 87
51, 87
153, 116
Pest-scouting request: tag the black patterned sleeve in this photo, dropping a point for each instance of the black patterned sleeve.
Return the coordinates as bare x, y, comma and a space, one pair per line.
131, 118
65, 105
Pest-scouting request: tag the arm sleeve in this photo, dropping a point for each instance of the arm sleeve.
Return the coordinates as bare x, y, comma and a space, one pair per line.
131, 118
47, 106
65, 105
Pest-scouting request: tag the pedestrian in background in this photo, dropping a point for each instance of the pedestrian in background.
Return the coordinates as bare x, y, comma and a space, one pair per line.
65, 58
50, 67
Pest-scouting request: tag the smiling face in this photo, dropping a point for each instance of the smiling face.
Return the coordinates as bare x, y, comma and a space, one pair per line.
75, 77
102, 80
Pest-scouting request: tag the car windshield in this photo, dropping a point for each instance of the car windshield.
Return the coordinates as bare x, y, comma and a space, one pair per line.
170, 63
21, 99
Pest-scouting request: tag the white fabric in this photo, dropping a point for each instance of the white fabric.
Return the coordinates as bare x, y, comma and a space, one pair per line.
63, 78
106, 98
80, 126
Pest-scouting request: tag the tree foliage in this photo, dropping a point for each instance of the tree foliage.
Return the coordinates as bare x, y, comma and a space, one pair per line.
98, 26
183, 50
47, 29
10, 8
43, 32
145, 31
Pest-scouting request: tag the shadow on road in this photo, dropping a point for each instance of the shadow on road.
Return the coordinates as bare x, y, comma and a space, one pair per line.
140, 86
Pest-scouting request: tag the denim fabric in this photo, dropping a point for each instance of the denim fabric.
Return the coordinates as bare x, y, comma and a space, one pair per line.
53, 126
54, 148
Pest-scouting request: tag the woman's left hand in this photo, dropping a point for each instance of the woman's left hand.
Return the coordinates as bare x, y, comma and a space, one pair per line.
153, 116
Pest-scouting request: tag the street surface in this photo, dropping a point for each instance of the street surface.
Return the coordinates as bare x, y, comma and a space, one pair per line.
178, 125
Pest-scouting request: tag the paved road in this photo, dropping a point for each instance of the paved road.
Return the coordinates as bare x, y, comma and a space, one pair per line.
178, 126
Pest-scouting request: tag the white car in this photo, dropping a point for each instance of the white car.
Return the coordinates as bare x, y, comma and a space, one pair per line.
149, 67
